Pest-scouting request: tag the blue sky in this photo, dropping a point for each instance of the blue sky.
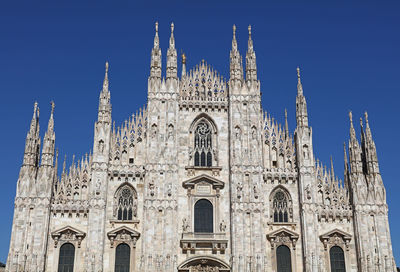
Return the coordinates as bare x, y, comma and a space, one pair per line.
55, 50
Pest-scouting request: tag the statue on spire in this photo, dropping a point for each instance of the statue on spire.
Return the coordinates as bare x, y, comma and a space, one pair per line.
301, 104
251, 67
172, 62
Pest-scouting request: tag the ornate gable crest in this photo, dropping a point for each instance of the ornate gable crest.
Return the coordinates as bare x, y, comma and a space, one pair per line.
202, 182
283, 236
123, 234
336, 237
203, 264
68, 234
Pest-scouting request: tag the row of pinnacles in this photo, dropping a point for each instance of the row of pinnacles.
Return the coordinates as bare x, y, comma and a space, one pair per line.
360, 196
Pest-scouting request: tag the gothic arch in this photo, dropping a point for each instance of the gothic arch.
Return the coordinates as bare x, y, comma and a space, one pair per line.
203, 142
201, 263
207, 118
125, 202
281, 205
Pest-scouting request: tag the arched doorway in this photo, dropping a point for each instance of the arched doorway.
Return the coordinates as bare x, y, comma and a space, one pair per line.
336, 255
122, 258
283, 259
204, 264
66, 258
203, 216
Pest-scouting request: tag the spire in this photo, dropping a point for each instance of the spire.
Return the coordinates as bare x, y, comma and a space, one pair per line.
172, 65
251, 67
346, 167
286, 126
32, 142
104, 114
155, 64
156, 38
236, 67
49, 141
234, 42
183, 65
299, 85
370, 149
368, 133
353, 138
332, 170
171, 39
301, 104
55, 173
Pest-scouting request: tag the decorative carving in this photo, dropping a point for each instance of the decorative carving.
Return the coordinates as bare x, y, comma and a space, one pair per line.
68, 234
222, 226
283, 236
185, 225
123, 235
336, 237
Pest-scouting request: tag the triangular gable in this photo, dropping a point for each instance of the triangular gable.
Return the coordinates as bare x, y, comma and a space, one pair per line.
123, 230
70, 230
216, 184
284, 231
68, 233
339, 232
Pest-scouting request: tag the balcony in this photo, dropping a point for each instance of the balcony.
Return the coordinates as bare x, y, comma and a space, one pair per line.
214, 242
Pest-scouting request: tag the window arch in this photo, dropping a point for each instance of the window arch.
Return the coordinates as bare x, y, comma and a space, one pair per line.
283, 259
126, 203
203, 144
281, 206
203, 216
66, 258
336, 255
122, 258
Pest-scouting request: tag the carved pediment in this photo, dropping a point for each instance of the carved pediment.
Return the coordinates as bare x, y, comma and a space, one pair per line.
203, 264
283, 236
335, 237
203, 179
123, 234
68, 233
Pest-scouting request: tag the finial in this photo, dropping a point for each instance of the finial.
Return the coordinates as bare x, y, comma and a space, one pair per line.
183, 58
234, 31
106, 66
366, 117
35, 106
351, 118
172, 28
156, 27
298, 73
52, 107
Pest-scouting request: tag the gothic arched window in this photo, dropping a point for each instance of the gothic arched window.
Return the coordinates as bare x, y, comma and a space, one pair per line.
283, 259
66, 258
203, 145
203, 216
126, 204
281, 206
336, 255
122, 258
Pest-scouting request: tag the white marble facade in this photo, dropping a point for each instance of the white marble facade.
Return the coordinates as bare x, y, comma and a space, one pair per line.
274, 206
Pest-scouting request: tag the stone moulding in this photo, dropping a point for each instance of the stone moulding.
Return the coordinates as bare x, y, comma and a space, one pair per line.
68, 234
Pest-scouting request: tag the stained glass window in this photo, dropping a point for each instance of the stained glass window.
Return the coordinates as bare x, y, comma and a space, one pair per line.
280, 207
203, 145
126, 205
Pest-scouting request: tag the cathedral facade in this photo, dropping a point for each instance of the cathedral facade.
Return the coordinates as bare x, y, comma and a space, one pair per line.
200, 179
